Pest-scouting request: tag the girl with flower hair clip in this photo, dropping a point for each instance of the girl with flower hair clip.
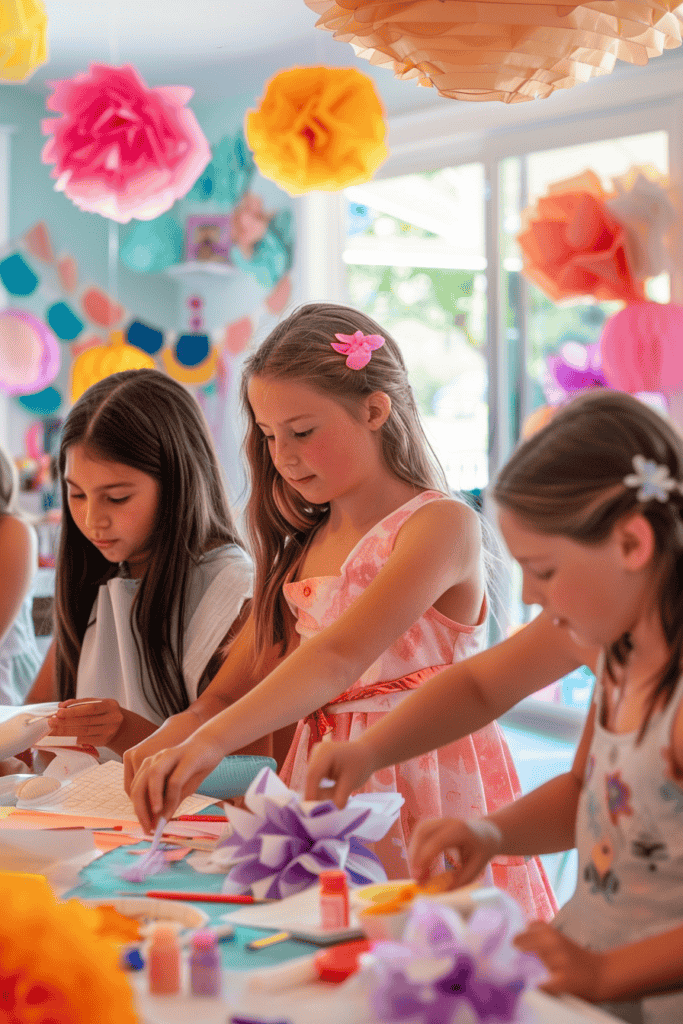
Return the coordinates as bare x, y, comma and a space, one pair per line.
369, 580
592, 509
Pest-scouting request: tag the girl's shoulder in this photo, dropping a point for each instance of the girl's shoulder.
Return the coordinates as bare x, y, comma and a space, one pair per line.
17, 537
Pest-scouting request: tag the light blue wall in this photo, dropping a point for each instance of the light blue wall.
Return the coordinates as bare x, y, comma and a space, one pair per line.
159, 299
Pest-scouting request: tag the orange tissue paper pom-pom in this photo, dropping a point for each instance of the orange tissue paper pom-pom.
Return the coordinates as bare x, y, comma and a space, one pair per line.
23, 39
56, 968
317, 128
572, 245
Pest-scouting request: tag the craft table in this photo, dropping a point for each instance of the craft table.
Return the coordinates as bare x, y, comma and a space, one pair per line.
308, 1004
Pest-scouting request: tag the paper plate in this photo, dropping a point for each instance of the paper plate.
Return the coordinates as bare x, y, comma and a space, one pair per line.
233, 775
151, 911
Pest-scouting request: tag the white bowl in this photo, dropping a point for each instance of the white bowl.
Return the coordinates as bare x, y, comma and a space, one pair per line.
149, 911
382, 927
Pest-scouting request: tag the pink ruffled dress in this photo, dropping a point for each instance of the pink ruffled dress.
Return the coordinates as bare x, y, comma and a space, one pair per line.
468, 778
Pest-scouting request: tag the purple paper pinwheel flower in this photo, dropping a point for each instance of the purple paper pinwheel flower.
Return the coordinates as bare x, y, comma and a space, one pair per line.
444, 969
281, 844
574, 368
357, 347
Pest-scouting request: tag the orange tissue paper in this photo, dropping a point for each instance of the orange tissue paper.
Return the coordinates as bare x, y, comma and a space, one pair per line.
317, 128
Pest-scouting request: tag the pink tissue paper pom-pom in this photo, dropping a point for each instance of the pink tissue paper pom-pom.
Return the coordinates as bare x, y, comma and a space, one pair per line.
121, 149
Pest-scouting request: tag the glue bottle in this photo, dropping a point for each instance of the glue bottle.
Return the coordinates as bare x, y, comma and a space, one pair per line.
163, 961
334, 900
205, 965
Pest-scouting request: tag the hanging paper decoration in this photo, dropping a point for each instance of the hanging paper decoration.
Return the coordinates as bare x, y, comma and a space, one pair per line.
642, 350
496, 50
121, 149
29, 354
593, 241
59, 960
153, 245
192, 360
574, 368
226, 177
573, 245
23, 39
103, 360
317, 128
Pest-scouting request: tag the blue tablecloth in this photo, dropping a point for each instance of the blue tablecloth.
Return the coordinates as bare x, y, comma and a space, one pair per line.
100, 880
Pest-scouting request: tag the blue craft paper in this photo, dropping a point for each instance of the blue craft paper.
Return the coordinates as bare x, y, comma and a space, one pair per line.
43, 403
64, 321
17, 276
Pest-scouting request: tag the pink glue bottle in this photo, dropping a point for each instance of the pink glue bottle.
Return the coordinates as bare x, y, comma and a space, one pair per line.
205, 965
334, 900
163, 962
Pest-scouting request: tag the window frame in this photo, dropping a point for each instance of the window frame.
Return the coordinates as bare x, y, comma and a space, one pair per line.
630, 101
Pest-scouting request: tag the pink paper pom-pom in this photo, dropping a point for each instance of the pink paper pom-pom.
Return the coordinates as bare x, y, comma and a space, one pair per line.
121, 149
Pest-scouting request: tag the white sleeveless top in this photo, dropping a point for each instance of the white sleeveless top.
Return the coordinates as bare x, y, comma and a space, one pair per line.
629, 837
19, 655
109, 665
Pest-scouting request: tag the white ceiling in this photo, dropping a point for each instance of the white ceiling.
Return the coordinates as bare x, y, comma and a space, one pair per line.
219, 47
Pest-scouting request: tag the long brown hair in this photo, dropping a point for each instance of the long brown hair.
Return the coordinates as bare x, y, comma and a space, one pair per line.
567, 480
146, 420
279, 520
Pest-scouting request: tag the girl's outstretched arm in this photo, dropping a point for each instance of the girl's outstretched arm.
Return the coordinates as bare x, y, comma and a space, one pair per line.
233, 679
649, 967
543, 821
437, 548
458, 701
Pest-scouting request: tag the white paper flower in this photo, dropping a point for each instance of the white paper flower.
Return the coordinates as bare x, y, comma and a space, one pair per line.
651, 479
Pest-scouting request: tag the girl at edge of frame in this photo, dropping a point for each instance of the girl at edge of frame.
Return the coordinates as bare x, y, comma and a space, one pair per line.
19, 654
363, 555
147, 542
592, 509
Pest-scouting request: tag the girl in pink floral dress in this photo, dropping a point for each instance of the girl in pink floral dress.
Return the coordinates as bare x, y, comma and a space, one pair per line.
369, 580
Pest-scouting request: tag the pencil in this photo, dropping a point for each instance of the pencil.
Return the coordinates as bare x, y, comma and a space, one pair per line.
201, 897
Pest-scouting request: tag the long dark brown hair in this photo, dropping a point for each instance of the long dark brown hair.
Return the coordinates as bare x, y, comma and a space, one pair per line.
146, 420
567, 480
279, 520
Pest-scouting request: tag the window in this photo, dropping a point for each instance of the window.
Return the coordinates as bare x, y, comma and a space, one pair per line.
397, 253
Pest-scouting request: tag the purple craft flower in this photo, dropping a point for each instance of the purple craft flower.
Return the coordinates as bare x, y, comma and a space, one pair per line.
443, 965
281, 844
358, 347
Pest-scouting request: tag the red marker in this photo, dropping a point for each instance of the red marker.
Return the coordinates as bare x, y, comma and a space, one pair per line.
201, 817
201, 897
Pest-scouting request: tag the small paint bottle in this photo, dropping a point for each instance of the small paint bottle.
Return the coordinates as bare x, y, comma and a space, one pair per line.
334, 900
205, 965
163, 962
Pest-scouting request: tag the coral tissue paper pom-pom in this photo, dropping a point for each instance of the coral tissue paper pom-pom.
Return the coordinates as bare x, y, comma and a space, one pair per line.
119, 148
317, 128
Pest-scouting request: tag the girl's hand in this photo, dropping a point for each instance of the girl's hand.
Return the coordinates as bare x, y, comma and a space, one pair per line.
164, 780
96, 723
14, 766
348, 765
571, 967
474, 844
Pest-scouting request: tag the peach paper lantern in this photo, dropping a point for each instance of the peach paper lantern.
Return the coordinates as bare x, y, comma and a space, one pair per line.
493, 50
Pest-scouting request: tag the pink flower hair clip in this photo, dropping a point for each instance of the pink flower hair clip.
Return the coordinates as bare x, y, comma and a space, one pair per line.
357, 347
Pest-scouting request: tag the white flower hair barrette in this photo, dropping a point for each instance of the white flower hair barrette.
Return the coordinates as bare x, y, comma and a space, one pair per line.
652, 480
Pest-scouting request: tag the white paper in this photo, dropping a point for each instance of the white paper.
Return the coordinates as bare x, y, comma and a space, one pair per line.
58, 856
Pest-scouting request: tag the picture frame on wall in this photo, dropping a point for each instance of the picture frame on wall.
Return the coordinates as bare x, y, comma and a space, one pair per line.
208, 238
